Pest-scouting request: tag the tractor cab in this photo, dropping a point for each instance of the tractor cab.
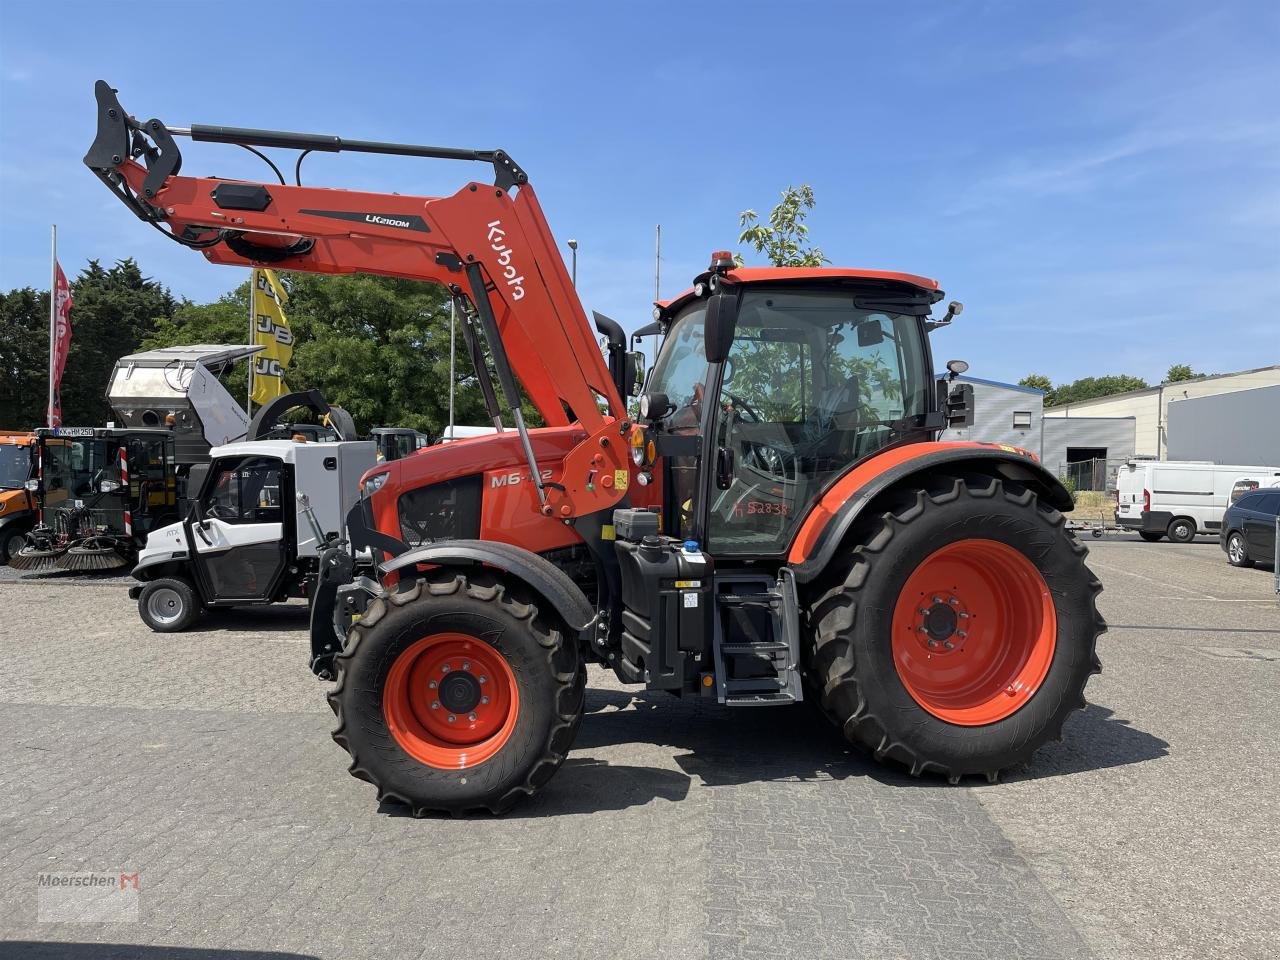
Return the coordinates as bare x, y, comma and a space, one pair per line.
769, 386
99, 491
395, 443
807, 376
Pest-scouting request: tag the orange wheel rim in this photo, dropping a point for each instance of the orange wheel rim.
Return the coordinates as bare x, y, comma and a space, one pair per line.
974, 631
451, 701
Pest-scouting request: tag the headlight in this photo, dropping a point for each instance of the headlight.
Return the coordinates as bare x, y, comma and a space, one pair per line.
643, 450
371, 485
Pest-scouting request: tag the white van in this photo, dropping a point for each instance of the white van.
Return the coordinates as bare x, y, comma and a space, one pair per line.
1179, 499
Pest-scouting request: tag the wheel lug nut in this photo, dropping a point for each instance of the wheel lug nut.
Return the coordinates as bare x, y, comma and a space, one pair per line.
431, 685
948, 644
452, 718
466, 666
484, 699
471, 716
484, 679
924, 611
962, 615
961, 634
954, 602
435, 704
444, 668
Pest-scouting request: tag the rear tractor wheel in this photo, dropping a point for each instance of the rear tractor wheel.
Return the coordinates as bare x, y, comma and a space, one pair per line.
958, 636
457, 694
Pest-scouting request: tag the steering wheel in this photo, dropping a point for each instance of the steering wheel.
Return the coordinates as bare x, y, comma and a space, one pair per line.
218, 512
741, 406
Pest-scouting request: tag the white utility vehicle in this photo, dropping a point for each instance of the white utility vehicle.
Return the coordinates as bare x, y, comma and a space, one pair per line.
1179, 499
254, 531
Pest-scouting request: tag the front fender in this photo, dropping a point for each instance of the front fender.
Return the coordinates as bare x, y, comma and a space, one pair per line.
825, 526
537, 573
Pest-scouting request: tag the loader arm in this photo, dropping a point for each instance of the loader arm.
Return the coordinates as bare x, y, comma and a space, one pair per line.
488, 242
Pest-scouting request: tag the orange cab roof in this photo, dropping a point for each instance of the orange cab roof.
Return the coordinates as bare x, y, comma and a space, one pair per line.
776, 274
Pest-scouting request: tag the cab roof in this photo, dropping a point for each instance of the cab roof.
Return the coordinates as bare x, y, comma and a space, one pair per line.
787, 274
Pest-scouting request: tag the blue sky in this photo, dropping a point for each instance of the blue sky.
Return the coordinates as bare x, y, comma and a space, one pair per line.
1098, 182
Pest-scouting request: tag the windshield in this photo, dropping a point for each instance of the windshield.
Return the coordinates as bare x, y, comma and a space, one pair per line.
15, 465
681, 365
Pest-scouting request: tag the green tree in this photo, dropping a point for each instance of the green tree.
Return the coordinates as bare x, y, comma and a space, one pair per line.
1089, 388
1179, 372
1038, 381
378, 346
24, 358
783, 239
114, 310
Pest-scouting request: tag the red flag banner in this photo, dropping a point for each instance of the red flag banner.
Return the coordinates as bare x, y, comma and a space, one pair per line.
61, 341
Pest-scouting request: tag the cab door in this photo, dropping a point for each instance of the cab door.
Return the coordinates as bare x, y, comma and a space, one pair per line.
1259, 524
241, 529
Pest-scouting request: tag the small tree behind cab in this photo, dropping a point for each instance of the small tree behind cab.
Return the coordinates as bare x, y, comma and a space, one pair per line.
783, 239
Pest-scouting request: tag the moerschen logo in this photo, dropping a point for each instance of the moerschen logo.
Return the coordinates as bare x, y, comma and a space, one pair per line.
497, 240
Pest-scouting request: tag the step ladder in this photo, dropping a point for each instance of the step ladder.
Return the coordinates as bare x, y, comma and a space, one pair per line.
757, 670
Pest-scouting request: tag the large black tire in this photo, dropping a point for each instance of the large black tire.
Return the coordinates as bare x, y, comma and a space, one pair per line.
1238, 550
1151, 536
168, 605
542, 656
852, 664
1182, 530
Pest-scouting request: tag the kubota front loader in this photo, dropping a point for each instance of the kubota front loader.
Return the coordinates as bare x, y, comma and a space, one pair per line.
780, 523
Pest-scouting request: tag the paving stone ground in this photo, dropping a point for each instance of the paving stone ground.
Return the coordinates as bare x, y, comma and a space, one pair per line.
202, 761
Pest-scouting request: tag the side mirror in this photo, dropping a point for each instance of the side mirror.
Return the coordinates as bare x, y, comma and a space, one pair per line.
634, 373
870, 333
719, 326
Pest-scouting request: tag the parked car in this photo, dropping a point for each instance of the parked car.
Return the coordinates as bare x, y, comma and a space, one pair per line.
1249, 528
1179, 499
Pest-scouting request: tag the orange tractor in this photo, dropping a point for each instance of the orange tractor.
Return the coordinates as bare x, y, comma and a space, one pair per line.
778, 522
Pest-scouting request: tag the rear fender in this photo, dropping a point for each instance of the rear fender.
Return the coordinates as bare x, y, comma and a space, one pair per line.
825, 526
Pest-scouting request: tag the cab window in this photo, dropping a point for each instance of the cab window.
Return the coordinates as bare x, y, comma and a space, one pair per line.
245, 491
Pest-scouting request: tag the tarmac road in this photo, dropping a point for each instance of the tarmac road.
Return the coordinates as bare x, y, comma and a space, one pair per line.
202, 761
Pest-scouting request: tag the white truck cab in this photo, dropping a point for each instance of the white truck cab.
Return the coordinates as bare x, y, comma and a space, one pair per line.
247, 537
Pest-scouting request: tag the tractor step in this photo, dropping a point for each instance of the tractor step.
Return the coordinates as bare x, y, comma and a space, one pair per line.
758, 699
754, 648
757, 640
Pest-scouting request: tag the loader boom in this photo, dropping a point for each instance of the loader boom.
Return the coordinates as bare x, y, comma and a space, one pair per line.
484, 244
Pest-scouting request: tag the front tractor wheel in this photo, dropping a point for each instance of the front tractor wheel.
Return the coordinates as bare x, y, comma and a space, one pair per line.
457, 695
959, 634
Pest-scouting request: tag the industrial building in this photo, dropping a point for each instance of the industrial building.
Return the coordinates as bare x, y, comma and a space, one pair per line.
1229, 418
1150, 410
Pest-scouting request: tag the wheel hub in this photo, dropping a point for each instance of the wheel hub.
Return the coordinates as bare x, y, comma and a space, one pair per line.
940, 625
459, 691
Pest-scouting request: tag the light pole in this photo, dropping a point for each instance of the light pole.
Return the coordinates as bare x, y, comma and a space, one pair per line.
573, 245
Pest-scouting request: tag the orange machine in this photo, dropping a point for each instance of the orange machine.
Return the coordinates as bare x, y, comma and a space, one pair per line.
775, 521
17, 504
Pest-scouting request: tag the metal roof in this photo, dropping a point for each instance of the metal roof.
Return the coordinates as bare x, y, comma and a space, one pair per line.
207, 353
